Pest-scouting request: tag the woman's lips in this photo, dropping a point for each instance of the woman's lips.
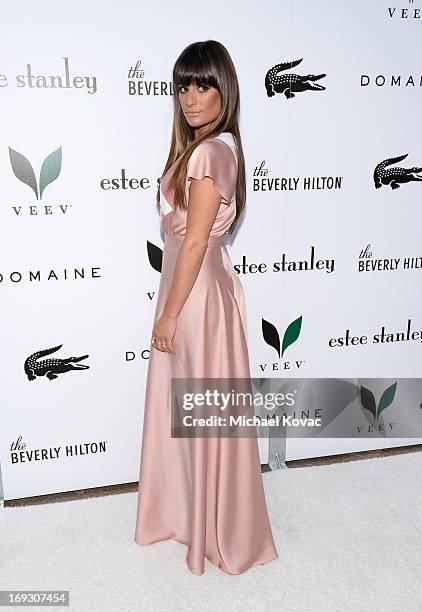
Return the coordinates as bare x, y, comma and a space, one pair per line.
192, 114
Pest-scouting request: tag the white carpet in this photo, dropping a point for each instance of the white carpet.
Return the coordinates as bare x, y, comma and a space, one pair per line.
348, 535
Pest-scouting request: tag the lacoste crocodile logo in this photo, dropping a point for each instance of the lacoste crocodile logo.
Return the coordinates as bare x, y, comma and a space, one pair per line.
23, 170
51, 367
289, 84
395, 176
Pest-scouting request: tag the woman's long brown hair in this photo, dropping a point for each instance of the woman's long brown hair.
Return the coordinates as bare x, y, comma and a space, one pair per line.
204, 63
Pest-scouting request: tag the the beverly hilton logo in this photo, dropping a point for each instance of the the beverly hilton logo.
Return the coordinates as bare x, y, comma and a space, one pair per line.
367, 262
272, 338
290, 84
138, 85
22, 452
24, 171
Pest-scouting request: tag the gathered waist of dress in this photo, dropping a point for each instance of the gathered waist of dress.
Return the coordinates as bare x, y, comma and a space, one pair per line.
177, 239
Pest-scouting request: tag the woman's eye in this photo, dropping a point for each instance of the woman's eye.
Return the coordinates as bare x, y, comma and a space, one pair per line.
182, 87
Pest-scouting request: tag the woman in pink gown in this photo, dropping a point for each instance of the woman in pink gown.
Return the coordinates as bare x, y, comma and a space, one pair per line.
205, 492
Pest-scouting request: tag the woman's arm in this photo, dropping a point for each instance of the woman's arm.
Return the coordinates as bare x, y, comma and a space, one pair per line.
204, 202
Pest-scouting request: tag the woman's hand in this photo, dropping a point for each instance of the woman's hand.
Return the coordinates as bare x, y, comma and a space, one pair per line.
163, 332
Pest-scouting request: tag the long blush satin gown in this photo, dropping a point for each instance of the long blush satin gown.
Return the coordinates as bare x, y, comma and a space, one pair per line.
204, 492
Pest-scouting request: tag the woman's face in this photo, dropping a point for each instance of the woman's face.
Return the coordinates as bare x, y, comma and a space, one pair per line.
201, 105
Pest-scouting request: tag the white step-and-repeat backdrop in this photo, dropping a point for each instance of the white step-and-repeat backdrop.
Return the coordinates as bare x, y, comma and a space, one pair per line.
330, 244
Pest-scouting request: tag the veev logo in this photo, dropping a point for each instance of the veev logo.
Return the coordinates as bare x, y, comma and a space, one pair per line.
272, 337
23, 170
368, 400
404, 13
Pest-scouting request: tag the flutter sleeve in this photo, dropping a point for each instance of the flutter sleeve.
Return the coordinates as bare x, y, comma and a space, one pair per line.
215, 159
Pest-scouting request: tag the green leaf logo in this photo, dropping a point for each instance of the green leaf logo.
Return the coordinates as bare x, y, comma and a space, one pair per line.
271, 335
50, 169
368, 401
387, 398
23, 170
291, 334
